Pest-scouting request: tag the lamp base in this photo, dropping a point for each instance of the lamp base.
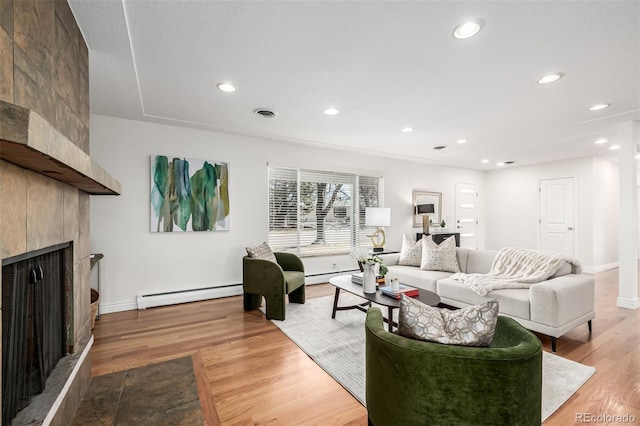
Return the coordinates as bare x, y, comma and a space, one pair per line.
425, 224
378, 239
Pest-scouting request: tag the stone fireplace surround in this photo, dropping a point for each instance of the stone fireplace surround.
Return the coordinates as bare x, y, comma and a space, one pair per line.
46, 172
38, 211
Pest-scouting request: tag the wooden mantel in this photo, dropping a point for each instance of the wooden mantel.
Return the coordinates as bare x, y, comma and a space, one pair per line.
29, 141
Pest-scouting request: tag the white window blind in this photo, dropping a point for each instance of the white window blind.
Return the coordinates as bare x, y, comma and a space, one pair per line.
315, 212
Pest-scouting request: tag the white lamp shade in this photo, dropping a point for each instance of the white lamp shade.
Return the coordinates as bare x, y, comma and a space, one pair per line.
377, 216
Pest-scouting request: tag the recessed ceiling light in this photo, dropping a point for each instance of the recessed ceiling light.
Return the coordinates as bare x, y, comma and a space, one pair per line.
484, 160
500, 164
467, 29
461, 141
614, 147
407, 130
550, 78
227, 87
599, 107
331, 111
601, 141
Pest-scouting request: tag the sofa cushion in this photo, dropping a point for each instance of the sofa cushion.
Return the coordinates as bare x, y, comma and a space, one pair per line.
480, 261
439, 257
411, 252
471, 326
262, 251
513, 302
414, 277
293, 279
462, 254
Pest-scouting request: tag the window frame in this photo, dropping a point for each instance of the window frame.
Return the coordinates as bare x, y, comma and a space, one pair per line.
353, 219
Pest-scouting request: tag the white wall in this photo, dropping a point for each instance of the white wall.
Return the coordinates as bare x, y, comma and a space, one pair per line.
140, 262
512, 204
606, 177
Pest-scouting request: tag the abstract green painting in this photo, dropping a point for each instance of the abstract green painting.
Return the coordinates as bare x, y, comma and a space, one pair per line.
189, 195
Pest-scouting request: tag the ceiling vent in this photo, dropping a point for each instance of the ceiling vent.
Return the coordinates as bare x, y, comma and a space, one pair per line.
440, 147
509, 162
263, 112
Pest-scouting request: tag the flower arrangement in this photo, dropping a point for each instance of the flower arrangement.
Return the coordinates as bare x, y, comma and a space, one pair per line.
363, 257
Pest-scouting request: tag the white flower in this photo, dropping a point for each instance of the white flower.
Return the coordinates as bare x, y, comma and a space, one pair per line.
361, 255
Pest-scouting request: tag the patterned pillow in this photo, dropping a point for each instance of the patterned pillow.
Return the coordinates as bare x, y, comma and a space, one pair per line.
439, 257
263, 251
470, 326
411, 253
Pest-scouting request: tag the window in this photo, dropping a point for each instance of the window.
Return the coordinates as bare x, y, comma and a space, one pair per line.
314, 212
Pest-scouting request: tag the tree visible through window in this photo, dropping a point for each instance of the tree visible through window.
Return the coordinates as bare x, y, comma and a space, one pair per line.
315, 212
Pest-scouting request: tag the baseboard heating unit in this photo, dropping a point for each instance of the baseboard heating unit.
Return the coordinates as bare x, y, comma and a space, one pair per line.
183, 296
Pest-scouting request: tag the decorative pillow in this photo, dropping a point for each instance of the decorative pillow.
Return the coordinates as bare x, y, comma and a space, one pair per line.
470, 326
411, 253
263, 251
439, 257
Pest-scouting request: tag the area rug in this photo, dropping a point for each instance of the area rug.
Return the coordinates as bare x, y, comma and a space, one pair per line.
165, 393
337, 345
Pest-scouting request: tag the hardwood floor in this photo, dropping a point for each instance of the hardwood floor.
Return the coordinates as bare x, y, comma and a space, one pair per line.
250, 373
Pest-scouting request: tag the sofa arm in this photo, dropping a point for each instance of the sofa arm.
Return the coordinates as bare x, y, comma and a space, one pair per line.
260, 276
289, 261
560, 300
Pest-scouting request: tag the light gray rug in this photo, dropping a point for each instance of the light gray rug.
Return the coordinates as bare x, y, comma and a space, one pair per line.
337, 345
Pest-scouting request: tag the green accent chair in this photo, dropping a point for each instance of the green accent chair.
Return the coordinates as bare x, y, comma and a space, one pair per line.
412, 382
261, 277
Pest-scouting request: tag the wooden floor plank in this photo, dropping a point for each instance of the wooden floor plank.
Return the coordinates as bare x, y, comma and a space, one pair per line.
250, 373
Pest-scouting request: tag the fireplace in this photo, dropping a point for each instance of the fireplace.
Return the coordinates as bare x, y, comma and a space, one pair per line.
35, 314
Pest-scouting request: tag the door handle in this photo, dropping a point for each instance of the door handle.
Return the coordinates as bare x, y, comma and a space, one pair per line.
570, 228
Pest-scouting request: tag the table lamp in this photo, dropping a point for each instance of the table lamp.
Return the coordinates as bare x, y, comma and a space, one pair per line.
424, 210
377, 216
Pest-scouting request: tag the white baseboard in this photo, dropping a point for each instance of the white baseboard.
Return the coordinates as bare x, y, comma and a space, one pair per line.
145, 301
170, 298
600, 268
109, 308
628, 303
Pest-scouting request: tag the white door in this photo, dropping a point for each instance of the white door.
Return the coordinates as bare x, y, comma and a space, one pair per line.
556, 216
467, 214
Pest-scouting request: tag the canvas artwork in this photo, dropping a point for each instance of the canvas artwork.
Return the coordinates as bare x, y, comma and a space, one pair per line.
189, 195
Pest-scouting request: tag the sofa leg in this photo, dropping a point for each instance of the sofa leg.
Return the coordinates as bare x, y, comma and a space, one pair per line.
589, 323
275, 308
553, 343
252, 301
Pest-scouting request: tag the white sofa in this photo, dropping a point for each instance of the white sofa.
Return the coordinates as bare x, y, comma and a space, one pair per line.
552, 307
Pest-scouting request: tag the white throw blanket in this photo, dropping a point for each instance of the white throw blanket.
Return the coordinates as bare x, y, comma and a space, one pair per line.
517, 268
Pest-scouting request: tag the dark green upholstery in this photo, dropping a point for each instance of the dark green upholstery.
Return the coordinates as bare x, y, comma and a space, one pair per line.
411, 382
262, 277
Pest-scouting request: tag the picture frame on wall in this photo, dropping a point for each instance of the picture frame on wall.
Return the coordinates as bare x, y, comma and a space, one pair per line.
426, 201
189, 195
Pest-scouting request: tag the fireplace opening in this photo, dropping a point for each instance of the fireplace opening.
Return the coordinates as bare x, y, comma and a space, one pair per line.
34, 323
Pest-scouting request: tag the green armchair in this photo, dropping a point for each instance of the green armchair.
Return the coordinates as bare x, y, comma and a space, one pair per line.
411, 382
261, 277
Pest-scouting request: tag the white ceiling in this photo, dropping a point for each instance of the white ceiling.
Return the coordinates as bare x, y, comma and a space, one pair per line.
385, 65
